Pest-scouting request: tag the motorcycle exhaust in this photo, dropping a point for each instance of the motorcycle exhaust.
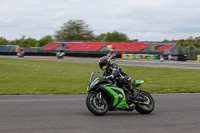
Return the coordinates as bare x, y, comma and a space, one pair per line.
132, 106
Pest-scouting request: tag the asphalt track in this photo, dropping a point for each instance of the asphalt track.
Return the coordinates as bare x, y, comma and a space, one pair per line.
174, 113
153, 63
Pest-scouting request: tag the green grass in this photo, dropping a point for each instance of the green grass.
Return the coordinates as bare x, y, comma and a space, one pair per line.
20, 76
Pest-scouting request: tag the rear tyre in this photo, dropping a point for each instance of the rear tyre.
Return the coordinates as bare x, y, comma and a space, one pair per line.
96, 106
147, 106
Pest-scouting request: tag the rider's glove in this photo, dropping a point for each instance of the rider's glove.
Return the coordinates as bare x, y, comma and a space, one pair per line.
110, 77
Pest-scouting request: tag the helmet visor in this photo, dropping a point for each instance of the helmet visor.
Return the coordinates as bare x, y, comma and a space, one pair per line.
103, 66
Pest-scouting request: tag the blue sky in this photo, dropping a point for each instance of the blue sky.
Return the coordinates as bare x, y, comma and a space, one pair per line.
146, 20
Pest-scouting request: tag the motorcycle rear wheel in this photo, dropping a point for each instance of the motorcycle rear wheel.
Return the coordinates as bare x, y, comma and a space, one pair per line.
94, 106
148, 105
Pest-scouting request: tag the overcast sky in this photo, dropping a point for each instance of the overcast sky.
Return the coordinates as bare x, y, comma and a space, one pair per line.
146, 20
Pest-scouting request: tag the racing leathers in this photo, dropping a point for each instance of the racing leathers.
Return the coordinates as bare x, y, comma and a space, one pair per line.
114, 72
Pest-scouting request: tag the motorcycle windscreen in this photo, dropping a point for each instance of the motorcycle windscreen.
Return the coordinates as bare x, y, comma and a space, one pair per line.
94, 76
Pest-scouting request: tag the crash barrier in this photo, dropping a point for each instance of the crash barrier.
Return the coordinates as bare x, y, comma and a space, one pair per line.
198, 58
140, 56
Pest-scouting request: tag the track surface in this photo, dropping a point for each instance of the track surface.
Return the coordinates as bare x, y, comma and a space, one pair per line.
174, 113
154, 63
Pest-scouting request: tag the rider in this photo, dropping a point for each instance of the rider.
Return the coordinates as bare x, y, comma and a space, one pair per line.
110, 52
114, 72
21, 52
60, 53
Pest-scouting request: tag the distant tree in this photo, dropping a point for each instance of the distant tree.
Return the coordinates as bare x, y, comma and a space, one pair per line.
15, 42
101, 37
181, 43
113, 37
23, 42
74, 30
166, 41
197, 42
30, 42
45, 40
116, 37
134, 40
190, 43
3, 41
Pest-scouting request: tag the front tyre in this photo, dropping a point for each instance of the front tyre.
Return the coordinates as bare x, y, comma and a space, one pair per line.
147, 106
96, 106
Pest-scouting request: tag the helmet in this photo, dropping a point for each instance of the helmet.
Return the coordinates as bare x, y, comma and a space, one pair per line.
104, 62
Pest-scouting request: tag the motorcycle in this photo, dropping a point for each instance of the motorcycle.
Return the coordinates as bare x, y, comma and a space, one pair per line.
104, 95
60, 55
112, 56
20, 54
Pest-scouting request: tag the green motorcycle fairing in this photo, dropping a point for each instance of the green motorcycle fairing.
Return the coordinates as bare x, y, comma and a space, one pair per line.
137, 83
92, 84
116, 94
118, 103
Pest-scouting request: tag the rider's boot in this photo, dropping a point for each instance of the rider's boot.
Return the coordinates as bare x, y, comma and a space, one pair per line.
134, 94
127, 95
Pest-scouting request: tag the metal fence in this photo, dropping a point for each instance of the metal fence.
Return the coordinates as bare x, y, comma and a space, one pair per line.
191, 53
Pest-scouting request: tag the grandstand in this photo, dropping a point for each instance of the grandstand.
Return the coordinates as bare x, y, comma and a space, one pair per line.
96, 49
84, 46
117, 46
52, 46
165, 47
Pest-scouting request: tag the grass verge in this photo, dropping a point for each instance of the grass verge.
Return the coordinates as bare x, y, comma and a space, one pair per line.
20, 77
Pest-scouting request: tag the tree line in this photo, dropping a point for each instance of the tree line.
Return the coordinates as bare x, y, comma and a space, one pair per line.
27, 42
79, 30
190, 43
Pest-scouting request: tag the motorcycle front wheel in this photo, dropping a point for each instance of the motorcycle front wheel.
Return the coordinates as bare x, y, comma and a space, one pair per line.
147, 106
96, 106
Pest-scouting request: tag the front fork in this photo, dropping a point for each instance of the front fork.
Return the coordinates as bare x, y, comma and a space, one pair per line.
99, 97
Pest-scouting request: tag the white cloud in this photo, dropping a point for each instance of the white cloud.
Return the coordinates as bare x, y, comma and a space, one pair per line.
144, 20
